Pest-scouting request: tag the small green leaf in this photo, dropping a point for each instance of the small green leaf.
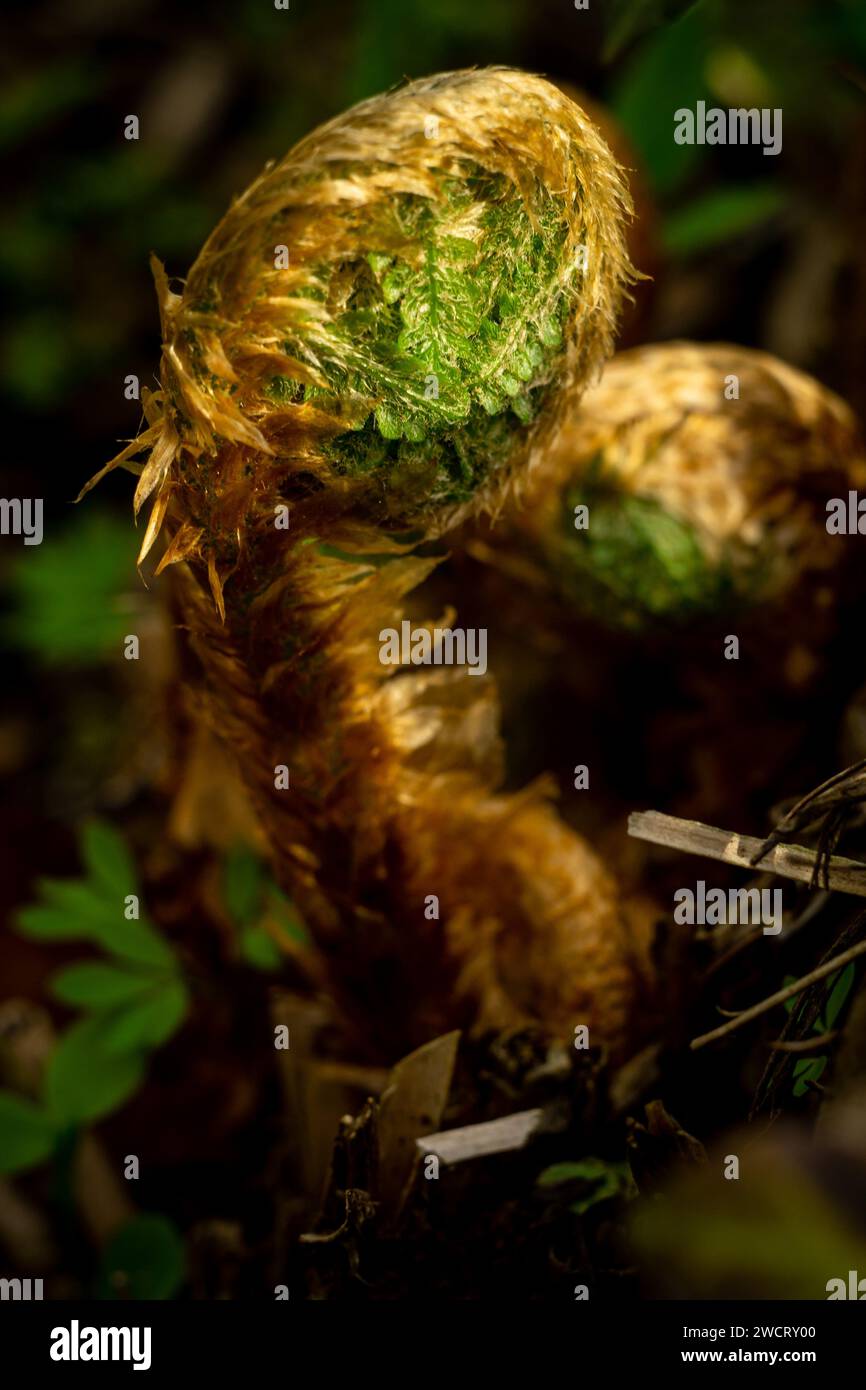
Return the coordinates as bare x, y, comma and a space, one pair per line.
84, 1079
46, 923
145, 1260
27, 1135
148, 1022
92, 985
585, 1169
389, 423
108, 860
244, 886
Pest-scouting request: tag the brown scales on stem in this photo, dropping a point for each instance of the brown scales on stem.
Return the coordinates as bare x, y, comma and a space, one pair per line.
392, 798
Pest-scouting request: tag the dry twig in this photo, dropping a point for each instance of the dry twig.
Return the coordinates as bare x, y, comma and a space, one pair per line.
789, 861
828, 968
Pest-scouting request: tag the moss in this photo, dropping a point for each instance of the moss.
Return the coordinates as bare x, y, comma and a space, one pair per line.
284, 389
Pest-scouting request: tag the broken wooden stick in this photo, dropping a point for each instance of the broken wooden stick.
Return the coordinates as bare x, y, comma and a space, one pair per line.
789, 861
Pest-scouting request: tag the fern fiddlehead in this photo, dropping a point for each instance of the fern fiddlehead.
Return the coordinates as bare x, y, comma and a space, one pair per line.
374, 343
705, 471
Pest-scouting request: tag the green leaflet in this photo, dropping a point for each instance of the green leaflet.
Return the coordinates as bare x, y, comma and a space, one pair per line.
90, 910
96, 985
446, 467
94, 908
107, 858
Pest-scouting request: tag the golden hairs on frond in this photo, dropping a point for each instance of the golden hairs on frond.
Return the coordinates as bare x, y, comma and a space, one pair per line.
397, 307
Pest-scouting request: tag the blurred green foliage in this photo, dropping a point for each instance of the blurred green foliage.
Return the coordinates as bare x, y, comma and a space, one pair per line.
792, 57
70, 597
133, 1002
389, 36
146, 1259
27, 1133
629, 19
772, 1234
670, 62
720, 214
252, 899
31, 99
